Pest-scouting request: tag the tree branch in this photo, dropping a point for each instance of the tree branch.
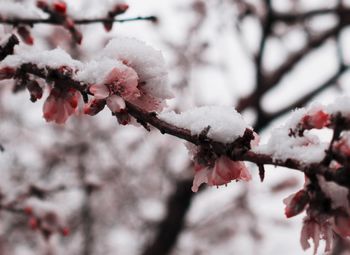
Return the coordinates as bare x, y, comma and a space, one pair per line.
172, 224
306, 98
232, 150
9, 46
52, 21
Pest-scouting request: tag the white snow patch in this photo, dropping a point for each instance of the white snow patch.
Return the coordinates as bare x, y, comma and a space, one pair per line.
42, 58
95, 71
10, 9
283, 146
83, 9
148, 63
341, 104
226, 124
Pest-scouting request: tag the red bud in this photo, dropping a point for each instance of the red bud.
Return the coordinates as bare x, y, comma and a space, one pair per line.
60, 7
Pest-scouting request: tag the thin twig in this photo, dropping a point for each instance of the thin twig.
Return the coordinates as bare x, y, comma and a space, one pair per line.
52, 21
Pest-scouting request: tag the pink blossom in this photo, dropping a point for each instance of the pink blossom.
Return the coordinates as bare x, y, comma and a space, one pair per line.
115, 103
224, 171
200, 176
119, 85
60, 104
147, 102
316, 230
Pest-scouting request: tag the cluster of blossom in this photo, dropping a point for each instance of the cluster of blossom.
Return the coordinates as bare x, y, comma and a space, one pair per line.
42, 215
45, 217
326, 203
126, 70
298, 142
54, 10
129, 71
222, 124
57, 11
327, 211
220, 171
216, 170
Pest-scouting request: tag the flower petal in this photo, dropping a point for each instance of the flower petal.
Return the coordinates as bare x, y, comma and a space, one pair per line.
115, 103
100, 91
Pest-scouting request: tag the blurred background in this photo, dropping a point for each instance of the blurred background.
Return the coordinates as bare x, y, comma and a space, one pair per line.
123, 190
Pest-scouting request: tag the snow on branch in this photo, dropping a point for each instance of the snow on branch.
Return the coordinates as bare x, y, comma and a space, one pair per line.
129, 77
133, 85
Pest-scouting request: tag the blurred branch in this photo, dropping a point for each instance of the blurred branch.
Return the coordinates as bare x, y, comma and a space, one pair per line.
306, 98
52, 21
340, 11
172, 224
239, 150
267, 29
273, 79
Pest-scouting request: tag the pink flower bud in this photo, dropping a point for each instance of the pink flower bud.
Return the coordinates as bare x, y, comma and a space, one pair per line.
65, 231
33, 223
296, 203
60, 105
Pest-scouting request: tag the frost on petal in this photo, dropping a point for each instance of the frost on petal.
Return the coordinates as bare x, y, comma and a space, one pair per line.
100, 91
95, 71
148, 63
200, 176
115, 103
